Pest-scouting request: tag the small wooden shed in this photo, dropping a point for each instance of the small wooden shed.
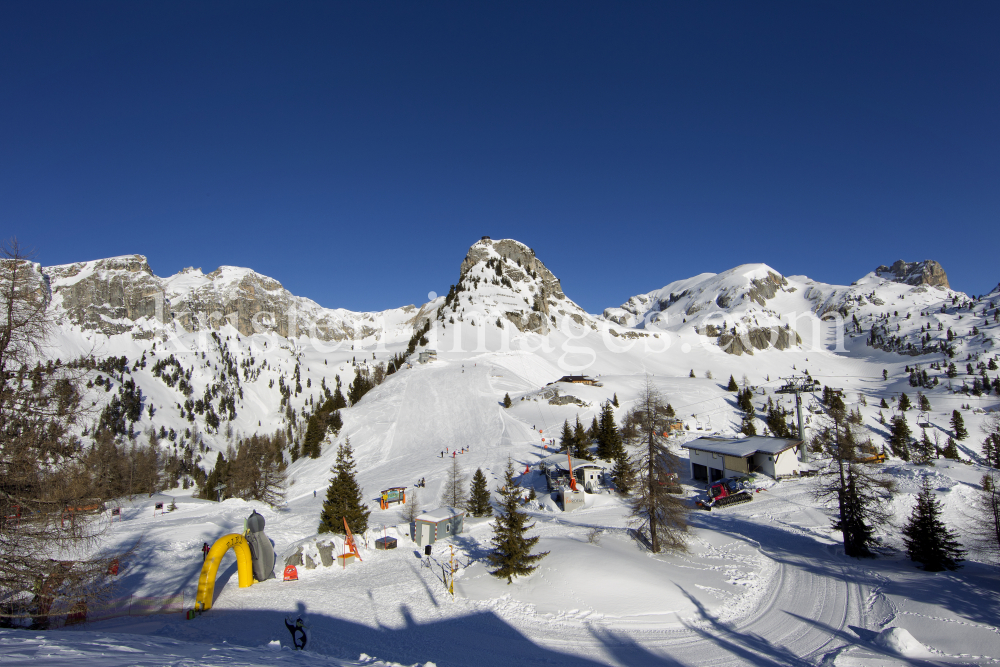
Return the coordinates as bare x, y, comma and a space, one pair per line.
437, 524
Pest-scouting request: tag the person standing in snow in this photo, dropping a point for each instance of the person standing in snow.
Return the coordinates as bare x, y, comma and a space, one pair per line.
204, 551
298, 630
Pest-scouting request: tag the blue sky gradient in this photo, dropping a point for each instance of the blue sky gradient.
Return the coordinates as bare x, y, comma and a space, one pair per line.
354, 151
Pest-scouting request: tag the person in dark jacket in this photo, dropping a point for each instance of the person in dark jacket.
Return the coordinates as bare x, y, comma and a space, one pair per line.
298, 631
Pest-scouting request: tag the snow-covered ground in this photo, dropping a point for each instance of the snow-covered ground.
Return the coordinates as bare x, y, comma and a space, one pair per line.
763, 583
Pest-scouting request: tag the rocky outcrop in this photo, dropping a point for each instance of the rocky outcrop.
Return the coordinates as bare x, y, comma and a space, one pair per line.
121, 294
759, 290
760, 338
927, 272
504, 280
107, 295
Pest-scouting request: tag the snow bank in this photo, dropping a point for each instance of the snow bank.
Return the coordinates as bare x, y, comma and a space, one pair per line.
900, 641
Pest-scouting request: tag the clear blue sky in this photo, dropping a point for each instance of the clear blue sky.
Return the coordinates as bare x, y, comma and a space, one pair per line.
354, 151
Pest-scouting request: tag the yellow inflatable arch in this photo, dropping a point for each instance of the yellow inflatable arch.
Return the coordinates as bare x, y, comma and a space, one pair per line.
244, 565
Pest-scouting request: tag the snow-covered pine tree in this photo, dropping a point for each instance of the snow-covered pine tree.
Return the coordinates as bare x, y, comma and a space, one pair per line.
344, 497
928, 541
479, 499
511, 554
732, 386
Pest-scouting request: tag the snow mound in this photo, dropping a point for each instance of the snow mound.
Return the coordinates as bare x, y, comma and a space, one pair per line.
900, 641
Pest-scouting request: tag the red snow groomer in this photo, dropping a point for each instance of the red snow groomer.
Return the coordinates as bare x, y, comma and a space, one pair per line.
727, 492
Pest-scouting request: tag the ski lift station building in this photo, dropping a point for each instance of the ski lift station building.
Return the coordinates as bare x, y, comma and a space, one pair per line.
715, 458
587, 473
437, 524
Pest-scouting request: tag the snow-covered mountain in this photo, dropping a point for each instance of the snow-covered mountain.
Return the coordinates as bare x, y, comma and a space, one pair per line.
503, 282
122, 295
272, 356
235, 344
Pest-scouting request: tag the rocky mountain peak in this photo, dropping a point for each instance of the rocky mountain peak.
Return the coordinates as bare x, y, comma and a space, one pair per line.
504, 280
927, 272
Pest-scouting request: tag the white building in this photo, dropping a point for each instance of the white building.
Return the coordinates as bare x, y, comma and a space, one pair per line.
715, 458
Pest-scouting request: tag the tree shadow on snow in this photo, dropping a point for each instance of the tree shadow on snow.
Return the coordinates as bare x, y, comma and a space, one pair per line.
971, 592
627, 651
747, 646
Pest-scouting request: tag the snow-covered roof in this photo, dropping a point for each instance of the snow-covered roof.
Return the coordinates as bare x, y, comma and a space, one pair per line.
742, 446
441, 514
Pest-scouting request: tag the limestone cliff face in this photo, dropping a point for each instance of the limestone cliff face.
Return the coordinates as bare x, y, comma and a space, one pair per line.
927, 272
107, 295
122, 295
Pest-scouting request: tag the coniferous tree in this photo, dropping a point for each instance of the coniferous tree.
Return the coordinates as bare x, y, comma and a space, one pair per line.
411, 510
506, 400
904, 402
958, 425
991, 445
609, 440
986, 516
950, 450
614, 400
691, 374
883, 404
511, 554
479, 499
899, 437
453, 493
861, 491
776, 423
581, 443
923, 450
923, 402
928, 541
623, 472
662, 515
344, 497
566, 440
732, 384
